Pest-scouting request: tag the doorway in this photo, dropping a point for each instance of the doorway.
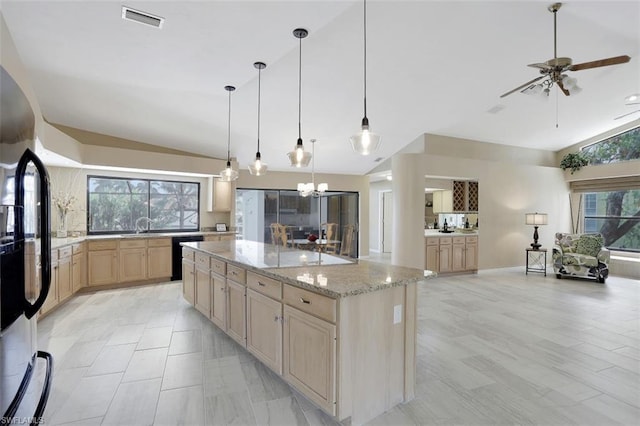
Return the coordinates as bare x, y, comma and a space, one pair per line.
387, 221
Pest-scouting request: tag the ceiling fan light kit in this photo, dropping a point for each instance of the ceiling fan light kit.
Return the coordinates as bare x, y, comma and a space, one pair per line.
553, 70
258, 168
299, 157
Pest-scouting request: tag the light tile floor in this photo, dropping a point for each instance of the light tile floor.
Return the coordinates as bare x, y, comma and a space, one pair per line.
499, 347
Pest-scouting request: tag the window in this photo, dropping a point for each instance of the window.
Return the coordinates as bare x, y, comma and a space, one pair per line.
118, 205
616, 215
622, 147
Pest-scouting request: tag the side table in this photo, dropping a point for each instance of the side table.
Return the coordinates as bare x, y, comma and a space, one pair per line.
537, 260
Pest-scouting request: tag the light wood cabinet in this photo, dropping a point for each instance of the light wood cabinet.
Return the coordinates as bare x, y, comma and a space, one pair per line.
222, 196
236, 312
219, 303
310, 356
63, 272
203, 291
471, 254
458, 254
264, 329
465, 196
159, 258
132, 264
451, 254
443, 201
444, 255
102, 262
188, 280
52, 298
78, 267
431, 254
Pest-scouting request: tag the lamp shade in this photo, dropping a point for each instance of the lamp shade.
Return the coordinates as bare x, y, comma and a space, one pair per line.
535, 218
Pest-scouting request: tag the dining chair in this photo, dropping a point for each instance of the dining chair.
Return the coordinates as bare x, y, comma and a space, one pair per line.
348, 235
331, 237
278, 234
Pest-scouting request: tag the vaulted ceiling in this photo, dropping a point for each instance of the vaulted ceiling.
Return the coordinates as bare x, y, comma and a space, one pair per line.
433, 67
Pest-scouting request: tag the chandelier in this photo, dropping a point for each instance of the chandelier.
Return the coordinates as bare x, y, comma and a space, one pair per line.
309, 188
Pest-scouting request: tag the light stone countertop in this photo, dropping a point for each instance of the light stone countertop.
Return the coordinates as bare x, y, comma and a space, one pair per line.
61, 242
437, 233
335, 276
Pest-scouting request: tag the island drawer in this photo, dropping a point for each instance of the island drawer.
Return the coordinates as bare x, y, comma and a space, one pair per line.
472, 239
64, 252
159, 242
237, 274
203, 260
267, 286
54, 255
445, 241
312, 303
188, 254
103, 245
126, 244
458, 240
433, 241
218, 266
77, 248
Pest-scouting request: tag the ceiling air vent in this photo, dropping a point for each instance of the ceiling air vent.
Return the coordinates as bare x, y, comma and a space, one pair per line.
141, 17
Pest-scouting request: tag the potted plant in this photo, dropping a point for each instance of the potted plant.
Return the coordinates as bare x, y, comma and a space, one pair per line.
574, 161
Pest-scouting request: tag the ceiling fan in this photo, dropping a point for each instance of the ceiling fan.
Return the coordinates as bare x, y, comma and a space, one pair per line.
553, 70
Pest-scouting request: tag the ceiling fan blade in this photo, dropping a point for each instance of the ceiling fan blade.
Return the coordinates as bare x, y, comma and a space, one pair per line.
561, 86
522, 86
542, 66
600, 63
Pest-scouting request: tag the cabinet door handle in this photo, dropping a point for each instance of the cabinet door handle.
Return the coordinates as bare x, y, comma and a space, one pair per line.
261, 284
308, 302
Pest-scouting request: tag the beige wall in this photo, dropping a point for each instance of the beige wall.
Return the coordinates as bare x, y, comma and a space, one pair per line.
289, 180
74, 181
375, 208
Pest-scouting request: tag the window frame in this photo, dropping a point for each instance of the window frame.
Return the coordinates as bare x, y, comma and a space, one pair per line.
597, 217
148, 204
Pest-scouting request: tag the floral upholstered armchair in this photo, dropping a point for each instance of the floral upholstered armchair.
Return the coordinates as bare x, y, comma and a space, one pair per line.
581, 255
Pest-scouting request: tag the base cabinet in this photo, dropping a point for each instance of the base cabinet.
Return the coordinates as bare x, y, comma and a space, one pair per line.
52, 298
236, 312
203, 291
310, 356
103, 267
159, 258
444, 255
63, 272
264, 329
451, 254
219, 302
189, 281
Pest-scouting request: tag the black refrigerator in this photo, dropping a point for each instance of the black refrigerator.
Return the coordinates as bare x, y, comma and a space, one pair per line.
25, 263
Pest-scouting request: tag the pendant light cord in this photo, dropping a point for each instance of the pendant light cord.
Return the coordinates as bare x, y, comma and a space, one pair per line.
300, 90
313, 163
365, 58
259, 72
229, 131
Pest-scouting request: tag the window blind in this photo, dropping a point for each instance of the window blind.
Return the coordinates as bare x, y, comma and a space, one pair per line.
608, 184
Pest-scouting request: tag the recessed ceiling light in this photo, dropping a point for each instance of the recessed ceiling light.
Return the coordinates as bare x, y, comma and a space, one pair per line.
632, 98
140, 17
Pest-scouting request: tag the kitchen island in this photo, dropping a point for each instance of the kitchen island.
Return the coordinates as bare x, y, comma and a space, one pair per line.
341, 332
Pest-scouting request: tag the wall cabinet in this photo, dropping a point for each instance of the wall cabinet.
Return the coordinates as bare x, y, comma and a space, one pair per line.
465, 196
222, 196
442, 201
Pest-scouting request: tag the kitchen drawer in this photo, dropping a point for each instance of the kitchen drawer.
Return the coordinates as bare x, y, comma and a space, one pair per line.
433, 241
472, 240
218, 266
312, 303
159, 242
237, 274
65, 252
188, 254
103, 245
137, 243
77, 248
445, 241
203, 261
54, 255
267, 286
458, 240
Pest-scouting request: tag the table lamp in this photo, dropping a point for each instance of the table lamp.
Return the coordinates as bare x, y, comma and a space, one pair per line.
535, 219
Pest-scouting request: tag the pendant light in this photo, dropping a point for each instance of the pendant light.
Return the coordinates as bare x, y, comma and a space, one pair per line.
299, 157
228, 174
258, 168
365, 142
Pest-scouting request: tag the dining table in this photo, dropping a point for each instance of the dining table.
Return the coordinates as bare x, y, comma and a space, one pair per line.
318, 244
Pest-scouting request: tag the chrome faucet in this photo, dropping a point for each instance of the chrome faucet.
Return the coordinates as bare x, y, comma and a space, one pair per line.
138, 222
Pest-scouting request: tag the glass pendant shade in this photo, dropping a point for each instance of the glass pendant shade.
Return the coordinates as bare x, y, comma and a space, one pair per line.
365, 142
299, 157
228, 174
258, 168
